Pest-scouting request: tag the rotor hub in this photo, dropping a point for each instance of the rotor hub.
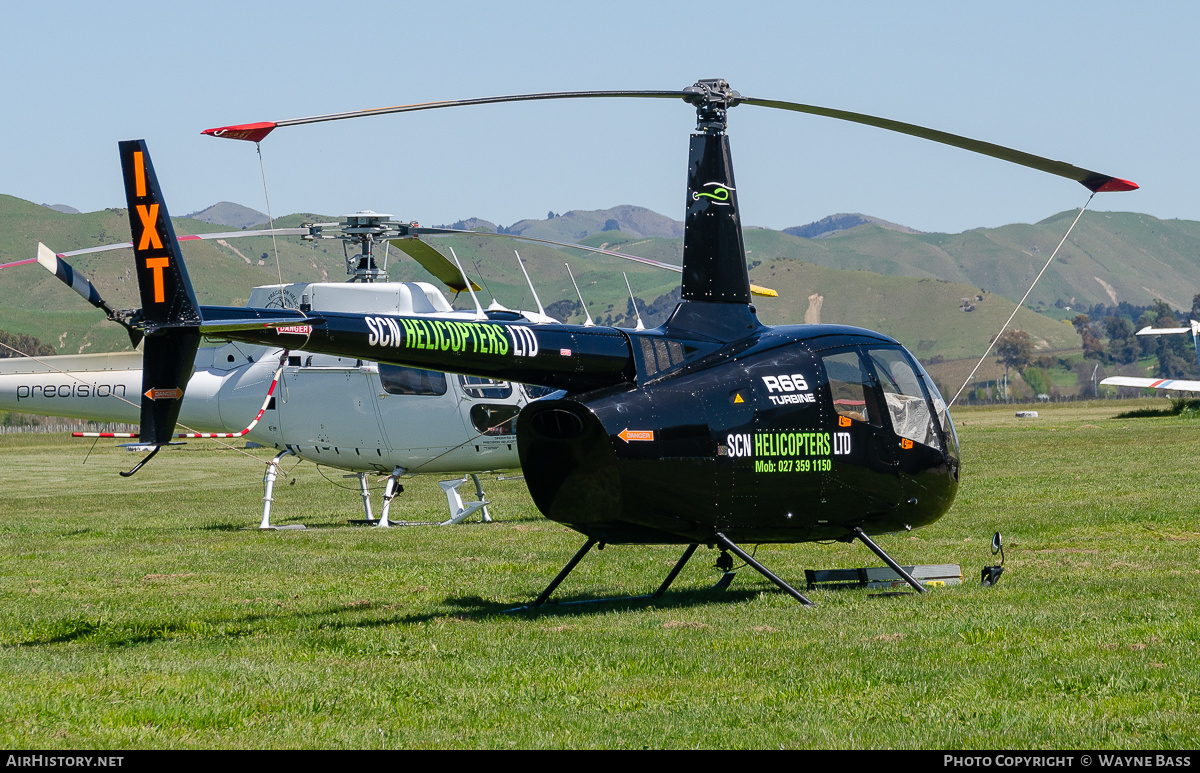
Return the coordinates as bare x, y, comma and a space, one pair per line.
366, 222
712, 98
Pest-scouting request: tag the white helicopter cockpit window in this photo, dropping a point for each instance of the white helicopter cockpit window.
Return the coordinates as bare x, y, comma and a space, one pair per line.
851, 387
905, 399
485, 388
398, 380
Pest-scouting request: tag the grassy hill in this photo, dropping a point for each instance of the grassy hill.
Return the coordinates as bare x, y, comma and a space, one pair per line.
1110, 257
923, 314
580, 224
229, 214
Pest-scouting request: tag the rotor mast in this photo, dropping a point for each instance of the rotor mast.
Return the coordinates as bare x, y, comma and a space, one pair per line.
359, 233
714, 255
364, 229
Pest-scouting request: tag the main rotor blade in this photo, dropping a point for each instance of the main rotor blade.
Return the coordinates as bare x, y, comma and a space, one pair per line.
253, 132
434, 262
754, 289
1093, 181
194, 237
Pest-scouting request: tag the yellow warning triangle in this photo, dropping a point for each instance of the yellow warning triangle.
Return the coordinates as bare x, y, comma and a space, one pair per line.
738, 399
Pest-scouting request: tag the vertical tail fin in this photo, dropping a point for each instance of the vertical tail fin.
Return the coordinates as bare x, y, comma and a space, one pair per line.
167, 297
714, 256
170, 315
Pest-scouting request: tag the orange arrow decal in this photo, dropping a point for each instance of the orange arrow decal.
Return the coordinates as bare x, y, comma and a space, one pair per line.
164, 394
630, 435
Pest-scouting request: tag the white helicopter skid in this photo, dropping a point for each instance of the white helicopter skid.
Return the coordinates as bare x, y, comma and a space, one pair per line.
459, 511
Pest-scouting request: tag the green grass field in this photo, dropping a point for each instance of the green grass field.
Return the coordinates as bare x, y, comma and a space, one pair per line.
135, 613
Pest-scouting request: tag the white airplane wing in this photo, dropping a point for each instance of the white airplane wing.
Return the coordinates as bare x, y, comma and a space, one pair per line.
1177, 384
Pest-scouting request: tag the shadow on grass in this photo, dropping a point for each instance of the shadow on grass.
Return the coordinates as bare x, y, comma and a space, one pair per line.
1180, 406
110, 634
579, 604
284, 527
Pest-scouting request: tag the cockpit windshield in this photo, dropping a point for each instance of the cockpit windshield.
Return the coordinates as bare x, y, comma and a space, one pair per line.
942, 410
907, 406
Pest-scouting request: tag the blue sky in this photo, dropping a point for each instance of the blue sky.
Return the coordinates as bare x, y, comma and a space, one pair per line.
1105, 86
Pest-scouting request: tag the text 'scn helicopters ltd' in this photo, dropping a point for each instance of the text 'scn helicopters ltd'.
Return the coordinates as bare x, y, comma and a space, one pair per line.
711, 429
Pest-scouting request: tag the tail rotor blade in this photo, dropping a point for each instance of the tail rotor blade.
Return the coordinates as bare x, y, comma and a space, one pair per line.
51, 261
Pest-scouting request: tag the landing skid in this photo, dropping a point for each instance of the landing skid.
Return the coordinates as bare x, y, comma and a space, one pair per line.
390, 490
908, 578
721, 540
459, 511
764, 571
365, 489
268, 496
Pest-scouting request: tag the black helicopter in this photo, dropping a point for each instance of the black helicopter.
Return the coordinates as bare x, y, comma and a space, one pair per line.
712, 429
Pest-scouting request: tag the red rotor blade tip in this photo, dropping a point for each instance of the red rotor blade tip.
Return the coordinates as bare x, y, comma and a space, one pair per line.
1117, 184
251, 132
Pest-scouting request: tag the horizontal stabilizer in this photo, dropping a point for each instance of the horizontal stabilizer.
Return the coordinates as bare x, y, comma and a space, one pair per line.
1159, 331
1179, 385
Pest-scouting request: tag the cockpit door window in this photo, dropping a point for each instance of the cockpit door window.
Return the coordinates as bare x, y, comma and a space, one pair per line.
851, 386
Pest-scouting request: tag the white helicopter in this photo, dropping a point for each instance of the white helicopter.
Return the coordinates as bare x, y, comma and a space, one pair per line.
359, 416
